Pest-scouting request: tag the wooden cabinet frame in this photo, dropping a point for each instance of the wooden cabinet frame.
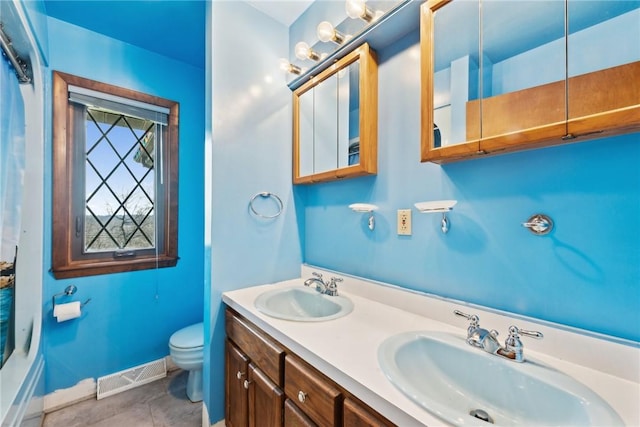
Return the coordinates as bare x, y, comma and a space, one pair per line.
583, 107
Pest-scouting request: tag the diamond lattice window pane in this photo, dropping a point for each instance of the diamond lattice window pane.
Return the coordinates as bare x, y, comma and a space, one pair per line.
119, 183
103, 203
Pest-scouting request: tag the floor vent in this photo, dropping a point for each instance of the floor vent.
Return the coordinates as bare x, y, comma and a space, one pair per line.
130, 378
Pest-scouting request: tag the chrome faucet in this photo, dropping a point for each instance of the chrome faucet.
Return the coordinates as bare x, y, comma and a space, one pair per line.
488, 340
323, 287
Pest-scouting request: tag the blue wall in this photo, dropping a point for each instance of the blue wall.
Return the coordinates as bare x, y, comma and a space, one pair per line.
586, 273
250, 153
131, 315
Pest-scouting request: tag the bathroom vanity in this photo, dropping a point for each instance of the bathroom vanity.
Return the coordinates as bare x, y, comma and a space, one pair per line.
328, 372
262, 375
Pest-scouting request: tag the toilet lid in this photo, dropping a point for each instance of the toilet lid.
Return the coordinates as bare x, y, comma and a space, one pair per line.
189, 337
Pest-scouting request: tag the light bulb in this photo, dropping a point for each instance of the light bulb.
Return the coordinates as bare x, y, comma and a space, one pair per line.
303, 51
355, 8
325, 31
358, 9
288, 67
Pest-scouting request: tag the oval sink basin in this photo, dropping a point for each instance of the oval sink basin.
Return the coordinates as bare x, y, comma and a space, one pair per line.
465, 386
302, 304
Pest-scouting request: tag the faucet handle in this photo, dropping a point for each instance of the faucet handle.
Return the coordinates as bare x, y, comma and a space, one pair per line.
318, 275
515, 332
513, 343
475, 320
332, 287
473, 326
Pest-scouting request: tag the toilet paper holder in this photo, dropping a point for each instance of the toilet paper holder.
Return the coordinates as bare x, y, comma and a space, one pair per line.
69, 290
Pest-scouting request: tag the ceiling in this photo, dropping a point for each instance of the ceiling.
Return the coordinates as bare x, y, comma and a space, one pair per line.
283, 11
173, 28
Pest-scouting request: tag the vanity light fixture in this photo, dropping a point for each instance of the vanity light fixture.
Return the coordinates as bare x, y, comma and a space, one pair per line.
443, 206
327, 33
357, 9
303, 51
288, 67
364, 208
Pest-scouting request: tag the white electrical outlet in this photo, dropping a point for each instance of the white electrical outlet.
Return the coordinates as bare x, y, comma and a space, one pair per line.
404, 222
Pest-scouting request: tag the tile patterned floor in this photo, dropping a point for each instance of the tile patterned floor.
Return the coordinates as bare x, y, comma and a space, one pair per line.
162, 403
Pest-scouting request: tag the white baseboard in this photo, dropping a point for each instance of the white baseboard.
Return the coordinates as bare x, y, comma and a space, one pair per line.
85, 389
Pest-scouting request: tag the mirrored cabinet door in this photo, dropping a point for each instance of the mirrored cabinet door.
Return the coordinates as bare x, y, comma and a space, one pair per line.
305, 130
335, 121
523, 72
325, 125
348, 113
603, 66
450, 55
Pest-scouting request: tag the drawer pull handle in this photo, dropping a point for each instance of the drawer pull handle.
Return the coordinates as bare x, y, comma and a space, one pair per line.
302, 396
245, 384
239, 375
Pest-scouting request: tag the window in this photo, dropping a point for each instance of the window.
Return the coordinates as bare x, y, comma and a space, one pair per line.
115, 179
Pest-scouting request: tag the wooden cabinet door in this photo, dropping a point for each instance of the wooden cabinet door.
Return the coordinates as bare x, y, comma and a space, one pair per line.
294, 417
236, 397
265, 400
356, 414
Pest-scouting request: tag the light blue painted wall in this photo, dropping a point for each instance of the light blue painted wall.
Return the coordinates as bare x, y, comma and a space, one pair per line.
131, 315
250, 153
585, 274
37, 17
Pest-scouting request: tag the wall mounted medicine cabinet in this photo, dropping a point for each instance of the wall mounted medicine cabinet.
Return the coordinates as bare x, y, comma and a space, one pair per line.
527, 74
335, 121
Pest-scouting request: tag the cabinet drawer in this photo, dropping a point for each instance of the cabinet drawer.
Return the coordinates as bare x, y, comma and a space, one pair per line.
262, 351
313, 393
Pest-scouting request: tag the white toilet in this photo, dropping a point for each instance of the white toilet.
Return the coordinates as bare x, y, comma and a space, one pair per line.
185, 347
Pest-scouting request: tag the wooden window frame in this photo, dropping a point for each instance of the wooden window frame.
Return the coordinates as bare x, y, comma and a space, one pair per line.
64, 263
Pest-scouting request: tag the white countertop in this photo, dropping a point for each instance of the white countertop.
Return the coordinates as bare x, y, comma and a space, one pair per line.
345, 349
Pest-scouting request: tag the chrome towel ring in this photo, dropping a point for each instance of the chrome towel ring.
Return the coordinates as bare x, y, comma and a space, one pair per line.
266, 194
